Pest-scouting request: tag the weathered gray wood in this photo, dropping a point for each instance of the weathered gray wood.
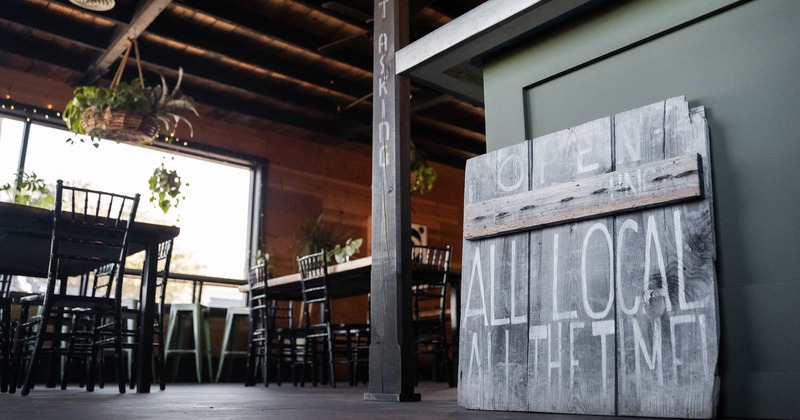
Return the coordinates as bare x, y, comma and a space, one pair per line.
571, 317
391, 356
622, 310
666, 315
493, 335
648, 185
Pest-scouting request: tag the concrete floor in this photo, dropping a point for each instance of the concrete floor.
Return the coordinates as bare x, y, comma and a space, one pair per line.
234, 401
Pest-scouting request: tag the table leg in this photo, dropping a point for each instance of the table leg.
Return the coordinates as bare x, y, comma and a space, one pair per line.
148, 310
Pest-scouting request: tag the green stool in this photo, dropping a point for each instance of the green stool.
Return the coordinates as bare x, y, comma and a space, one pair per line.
232, 318
197, 315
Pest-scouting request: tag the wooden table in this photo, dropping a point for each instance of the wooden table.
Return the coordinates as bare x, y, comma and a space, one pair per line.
346, 279
352, 279
25, 235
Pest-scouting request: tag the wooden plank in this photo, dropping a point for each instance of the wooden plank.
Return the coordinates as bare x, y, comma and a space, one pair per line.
666, 317
494, 291
571, 322
648, 185
391, 353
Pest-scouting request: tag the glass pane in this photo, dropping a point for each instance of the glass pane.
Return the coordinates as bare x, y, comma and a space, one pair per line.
213, 217
11, 132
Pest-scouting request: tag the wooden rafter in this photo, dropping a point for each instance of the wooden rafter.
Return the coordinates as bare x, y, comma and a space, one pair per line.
146, 13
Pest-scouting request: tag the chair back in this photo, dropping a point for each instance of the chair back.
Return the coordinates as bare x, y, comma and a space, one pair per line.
429, 266
90, 229
314, 281
5, 285
164, 259
258, 301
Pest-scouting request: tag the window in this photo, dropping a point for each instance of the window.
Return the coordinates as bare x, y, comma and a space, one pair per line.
214, 217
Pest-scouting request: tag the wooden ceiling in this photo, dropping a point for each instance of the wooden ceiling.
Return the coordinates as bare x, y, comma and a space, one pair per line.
303, 67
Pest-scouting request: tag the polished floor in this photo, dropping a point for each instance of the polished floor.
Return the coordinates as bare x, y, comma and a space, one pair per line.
234, 401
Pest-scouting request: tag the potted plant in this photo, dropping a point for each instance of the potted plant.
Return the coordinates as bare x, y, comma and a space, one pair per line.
422, 175
343, 253
165, 188
29, 190
128, 111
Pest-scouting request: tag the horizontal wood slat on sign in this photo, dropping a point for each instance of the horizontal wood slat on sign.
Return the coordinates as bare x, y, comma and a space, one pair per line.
651, 184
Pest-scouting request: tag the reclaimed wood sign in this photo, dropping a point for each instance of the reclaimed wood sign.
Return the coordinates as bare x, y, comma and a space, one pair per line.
588, 281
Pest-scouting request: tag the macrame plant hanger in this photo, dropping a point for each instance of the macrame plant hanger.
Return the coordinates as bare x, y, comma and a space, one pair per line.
118, 75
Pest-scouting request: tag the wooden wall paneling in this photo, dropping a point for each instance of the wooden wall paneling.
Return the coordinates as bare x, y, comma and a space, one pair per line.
492, 361
570, 312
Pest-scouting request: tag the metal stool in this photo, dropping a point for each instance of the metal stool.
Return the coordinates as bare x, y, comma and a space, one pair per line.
197, 314
232, 318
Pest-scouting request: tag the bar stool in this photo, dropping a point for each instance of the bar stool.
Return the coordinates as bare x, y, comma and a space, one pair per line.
233, 316
198, 316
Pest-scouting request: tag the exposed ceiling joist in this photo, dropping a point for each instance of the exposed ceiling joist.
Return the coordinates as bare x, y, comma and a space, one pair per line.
146, 13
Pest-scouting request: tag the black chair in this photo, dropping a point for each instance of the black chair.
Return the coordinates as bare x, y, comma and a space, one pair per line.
324, 340
101, 281
90, 229
6, 331
429, 266
273, 338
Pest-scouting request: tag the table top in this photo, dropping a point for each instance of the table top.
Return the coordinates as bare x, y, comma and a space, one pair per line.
25, 235
350, 278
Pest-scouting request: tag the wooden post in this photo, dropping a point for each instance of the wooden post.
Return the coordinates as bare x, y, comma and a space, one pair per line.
391, 359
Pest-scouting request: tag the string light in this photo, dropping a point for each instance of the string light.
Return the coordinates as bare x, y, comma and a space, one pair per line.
47, 112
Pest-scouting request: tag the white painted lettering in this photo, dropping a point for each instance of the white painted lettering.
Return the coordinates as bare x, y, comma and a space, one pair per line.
654, 360
476, 268
586, 306
603, 329
495, 321
682, 303
651, 237
515, 175
556, 314
553, 364
536, 333
628, 224
573, 362
383, 43
674, 321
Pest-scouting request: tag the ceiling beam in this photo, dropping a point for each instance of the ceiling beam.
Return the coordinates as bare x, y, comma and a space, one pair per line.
147, 12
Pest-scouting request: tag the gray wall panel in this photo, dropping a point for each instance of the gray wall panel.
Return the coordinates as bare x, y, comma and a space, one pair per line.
742, 65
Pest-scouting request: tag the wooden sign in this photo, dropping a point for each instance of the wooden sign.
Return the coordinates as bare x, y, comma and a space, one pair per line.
604, 232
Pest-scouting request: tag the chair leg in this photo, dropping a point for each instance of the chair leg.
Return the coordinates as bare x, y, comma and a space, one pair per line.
198, 348
224, 351
207, 339
162, 356
35, 354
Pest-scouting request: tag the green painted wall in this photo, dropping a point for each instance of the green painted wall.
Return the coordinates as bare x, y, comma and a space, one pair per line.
742, 63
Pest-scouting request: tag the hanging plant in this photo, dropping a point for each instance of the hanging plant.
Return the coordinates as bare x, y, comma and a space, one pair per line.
165, 188
128, 111
423, 176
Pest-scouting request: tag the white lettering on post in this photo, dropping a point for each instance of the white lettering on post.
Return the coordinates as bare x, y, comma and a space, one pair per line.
586, 306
